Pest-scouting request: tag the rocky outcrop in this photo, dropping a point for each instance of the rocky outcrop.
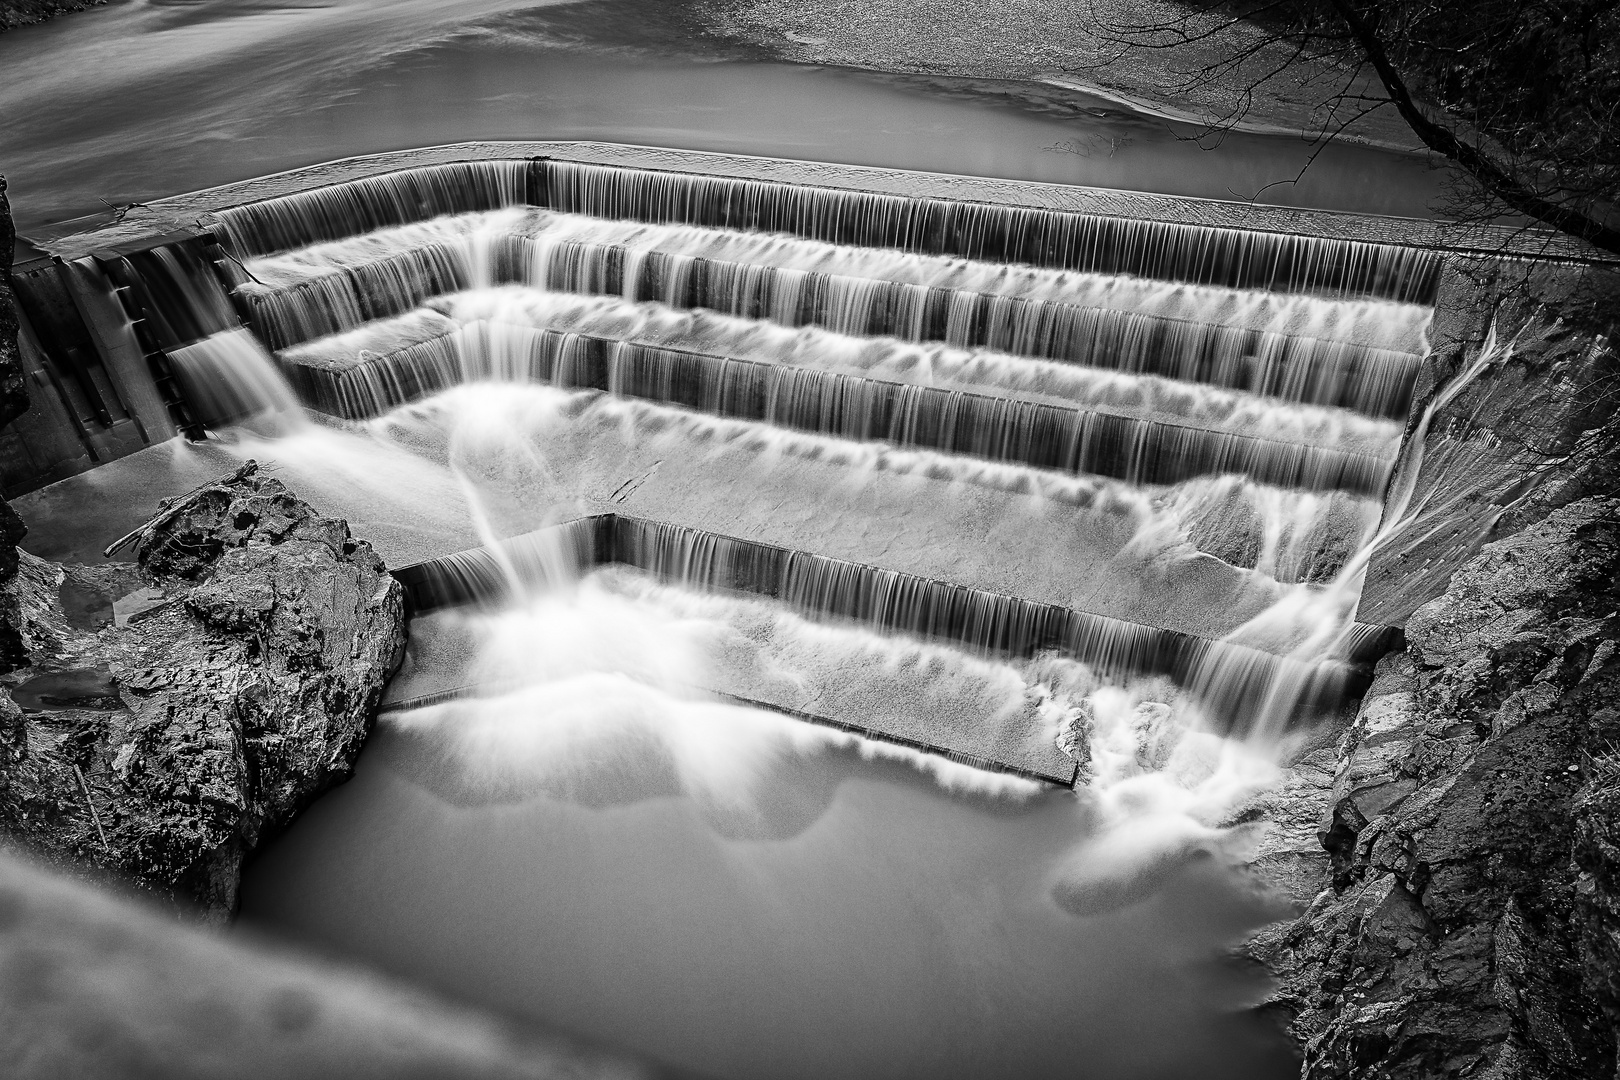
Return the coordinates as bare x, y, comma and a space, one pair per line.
14, 13
1471, 926
13, 403
13, 390
173, 716
13, 654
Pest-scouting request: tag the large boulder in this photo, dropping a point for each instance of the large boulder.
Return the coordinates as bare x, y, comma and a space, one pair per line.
176, 714
1471, 923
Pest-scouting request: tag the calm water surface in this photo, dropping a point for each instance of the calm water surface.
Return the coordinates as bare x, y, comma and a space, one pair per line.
153, 97
876, 927
594, 845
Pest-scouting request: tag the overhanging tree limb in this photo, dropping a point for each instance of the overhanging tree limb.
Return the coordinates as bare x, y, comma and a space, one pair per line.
1501, 184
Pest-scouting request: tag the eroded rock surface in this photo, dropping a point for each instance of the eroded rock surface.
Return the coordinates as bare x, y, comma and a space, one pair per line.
175, 714
13, 654
13, 390
1471, 922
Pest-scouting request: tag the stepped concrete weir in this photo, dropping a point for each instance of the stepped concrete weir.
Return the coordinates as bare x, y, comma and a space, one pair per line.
1151, 436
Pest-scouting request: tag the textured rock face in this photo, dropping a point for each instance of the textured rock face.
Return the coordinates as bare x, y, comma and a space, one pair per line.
235, 683
13, 654
13, 391
13, 402
1472, 926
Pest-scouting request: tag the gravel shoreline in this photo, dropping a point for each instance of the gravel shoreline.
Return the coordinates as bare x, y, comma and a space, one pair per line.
1049, 48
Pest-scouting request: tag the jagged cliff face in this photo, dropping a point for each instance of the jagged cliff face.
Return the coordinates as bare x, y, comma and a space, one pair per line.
1464, 921
1472, 925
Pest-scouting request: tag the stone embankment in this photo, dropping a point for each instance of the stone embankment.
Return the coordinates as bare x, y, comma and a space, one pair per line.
168, 716
1470, 920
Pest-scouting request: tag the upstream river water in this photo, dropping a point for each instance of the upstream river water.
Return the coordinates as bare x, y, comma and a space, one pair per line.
145, 98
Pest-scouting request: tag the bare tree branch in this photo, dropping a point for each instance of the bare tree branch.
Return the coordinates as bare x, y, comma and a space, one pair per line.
1510, 189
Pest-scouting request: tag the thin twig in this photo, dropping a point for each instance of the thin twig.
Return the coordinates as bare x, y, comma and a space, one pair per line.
177, 505
95, 817
240, 265
121, 210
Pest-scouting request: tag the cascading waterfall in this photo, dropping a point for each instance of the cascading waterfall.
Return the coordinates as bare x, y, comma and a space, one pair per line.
1154, 449
732, 500
1352, 354
1179, 378
491, 441
1164, 251
661, 325
1317, 626
1241, 258
230, 376
333, 211
1105, 456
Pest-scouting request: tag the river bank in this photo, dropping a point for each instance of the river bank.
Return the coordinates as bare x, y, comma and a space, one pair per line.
682, 75
1041, 50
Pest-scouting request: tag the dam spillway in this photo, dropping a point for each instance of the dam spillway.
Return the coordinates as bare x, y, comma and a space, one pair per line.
1149, 433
